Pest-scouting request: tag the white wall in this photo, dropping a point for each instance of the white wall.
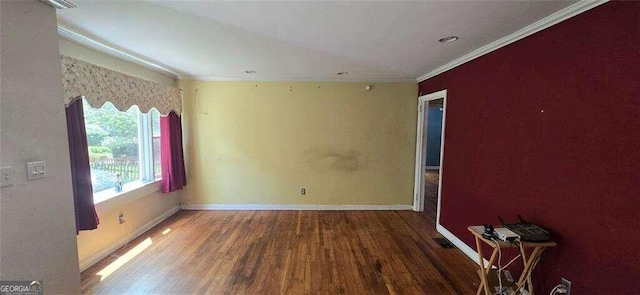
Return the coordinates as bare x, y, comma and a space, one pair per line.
37, 234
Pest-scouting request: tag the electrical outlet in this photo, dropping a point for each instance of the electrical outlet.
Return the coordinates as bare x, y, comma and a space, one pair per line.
121, 218
567, 285
303, 191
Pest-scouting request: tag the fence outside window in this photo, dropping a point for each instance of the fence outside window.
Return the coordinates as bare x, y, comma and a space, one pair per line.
126, 166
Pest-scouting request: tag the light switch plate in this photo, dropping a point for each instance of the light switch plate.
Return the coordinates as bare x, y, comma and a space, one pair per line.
7, 175
36, 170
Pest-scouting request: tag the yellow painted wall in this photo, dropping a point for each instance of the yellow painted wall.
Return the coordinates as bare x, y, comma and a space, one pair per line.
137, 213
261, 142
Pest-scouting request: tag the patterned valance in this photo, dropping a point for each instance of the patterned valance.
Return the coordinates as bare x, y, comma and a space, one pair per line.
99, 85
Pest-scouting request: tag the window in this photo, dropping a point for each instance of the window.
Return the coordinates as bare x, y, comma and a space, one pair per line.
155, 129
122, 148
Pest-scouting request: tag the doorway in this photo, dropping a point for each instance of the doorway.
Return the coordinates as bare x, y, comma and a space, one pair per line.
430, 153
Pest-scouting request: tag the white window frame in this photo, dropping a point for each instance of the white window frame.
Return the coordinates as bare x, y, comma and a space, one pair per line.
145, 147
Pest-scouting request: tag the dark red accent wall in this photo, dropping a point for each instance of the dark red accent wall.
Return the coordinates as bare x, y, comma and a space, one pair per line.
549, 127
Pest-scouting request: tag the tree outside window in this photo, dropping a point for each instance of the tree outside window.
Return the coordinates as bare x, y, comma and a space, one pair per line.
116, 141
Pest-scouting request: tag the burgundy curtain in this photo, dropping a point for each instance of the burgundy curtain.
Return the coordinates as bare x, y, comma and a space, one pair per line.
172, 159
86, 217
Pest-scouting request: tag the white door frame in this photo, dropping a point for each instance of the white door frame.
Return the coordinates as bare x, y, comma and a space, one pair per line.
421, 164
421, 150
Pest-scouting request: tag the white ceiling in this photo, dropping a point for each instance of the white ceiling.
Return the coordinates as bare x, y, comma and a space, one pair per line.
303, 40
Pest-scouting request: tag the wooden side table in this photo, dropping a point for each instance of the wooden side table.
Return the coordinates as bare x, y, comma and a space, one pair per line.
529, 259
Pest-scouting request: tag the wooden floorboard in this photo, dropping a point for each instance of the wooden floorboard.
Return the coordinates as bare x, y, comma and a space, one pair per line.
287, 252
431, 193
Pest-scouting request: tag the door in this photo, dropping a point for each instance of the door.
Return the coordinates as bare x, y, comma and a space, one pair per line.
430, 152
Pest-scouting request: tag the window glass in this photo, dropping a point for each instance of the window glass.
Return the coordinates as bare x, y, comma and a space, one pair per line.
122, 146
155, 124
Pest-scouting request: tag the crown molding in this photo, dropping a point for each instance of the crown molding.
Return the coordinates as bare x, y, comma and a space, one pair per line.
297, 79
109, 50
531, 29
60, 4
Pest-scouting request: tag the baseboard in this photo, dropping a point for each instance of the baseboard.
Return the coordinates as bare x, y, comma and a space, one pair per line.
291, 207
93, 259
460, 244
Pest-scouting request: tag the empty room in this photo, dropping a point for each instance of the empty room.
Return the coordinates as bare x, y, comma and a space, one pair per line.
319, 147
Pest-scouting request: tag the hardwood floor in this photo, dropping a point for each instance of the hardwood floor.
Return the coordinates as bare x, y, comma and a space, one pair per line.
431, 193
286, 252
